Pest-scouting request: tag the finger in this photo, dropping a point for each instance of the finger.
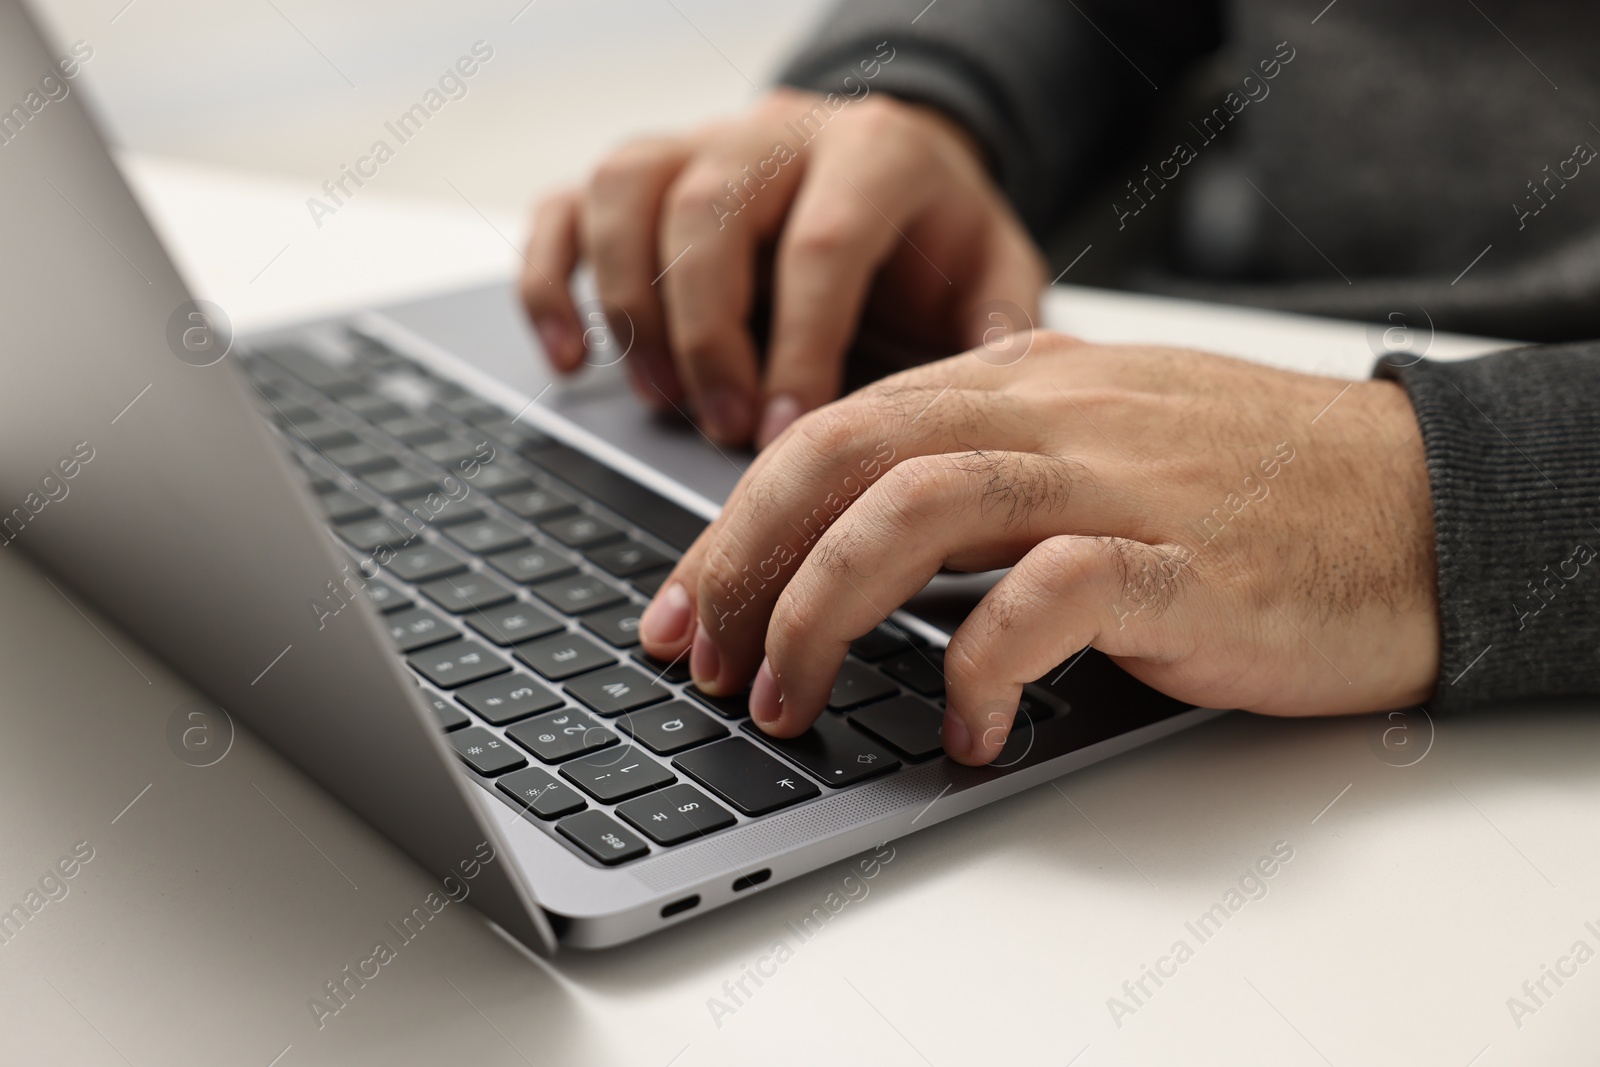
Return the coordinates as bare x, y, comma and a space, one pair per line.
1003, 298
552, 254
967, 512
618, 225
717, 212
792, 493
1124, 597
847, 217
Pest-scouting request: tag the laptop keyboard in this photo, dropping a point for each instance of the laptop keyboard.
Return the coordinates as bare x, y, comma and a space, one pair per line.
513, 572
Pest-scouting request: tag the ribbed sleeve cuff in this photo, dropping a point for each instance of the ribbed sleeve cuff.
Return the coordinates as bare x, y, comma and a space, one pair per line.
1513, 446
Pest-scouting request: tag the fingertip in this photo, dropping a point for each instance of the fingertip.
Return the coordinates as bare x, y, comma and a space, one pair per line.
664, 626
780, 413
705, 662
653, 379
766, 701
560, 341
725, 414
958, 739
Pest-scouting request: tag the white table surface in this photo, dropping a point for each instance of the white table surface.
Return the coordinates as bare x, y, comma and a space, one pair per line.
1418, 898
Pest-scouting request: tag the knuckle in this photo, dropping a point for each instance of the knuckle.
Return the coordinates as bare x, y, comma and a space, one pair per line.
913, 489
690, 196
826, 236
788, 627
881, 117
1056, 563
834, 429
967, 662
620, 173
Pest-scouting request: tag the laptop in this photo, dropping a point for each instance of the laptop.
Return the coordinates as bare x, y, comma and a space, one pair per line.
422, 587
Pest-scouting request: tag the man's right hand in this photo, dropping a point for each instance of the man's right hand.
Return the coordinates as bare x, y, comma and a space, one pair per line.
881, 210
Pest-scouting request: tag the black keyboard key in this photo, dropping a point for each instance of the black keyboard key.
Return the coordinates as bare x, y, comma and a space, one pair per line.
449, 716
676, 671
675, 814
425, 562
883, 641
560, 735
906, 724
538, 504
321, 434
285, 413
617, 689
1038, 704
537, 564
858, 684
514, 435
373, 407
414, 628
486, 535
368, 534
358, 458
440, 510
832, 752
643, 507
449, 452
341, 505
412, 429
461, 593
486, 753
581, 531
510, 624
541, 793
493, 478
626, 559
670, 728
619, 625
508, 698
578, 593
920, 669
743, 775
468, 407
316, 373
397, 483
563, 655
650, 584
602, 837
458, 663
613, 776
736, 706
385, 596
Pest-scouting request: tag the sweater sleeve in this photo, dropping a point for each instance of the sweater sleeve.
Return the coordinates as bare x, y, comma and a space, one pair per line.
1513, 446
1048, 87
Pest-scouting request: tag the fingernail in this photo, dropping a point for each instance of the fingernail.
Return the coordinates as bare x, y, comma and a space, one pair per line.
666, 620
957, 740
723, 412
705, 662
781, 411
651, 372
556, 337
766, 703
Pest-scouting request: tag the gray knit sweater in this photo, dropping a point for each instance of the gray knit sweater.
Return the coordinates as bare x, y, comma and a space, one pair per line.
1358, 158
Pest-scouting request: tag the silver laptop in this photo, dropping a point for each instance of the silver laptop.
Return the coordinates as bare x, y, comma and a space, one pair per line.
423, 590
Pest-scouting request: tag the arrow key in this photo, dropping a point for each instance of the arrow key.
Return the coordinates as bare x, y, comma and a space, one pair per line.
745, 776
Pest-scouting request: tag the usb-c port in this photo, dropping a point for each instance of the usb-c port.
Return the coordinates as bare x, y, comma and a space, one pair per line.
753, 879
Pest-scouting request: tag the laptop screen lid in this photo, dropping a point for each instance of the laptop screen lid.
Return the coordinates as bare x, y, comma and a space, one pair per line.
135, 468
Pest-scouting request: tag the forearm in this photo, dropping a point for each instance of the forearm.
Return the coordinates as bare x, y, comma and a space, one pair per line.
1513, 443
1046, 87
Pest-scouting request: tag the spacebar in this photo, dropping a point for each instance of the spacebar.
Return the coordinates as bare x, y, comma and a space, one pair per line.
645, 508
